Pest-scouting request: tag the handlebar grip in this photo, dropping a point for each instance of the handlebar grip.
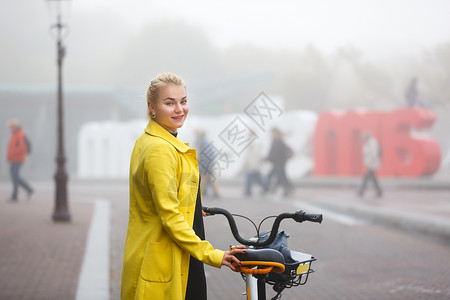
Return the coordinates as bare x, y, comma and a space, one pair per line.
209, 211
301, 216
316, 218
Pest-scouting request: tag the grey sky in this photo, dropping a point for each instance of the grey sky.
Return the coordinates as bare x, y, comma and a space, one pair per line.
101, 30
377, 27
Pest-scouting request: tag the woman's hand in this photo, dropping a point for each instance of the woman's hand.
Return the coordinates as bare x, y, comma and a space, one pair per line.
229, 257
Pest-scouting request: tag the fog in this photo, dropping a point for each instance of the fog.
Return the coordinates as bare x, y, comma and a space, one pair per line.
315, 55
304, 57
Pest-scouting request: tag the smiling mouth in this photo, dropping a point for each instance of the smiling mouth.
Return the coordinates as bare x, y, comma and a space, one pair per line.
178, 117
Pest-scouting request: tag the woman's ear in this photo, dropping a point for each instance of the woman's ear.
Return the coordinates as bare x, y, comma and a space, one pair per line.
151, 108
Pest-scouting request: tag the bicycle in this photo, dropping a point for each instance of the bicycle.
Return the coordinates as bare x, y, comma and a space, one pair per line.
268, 260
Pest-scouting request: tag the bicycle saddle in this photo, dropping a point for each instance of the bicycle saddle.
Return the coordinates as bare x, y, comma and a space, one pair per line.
260, 261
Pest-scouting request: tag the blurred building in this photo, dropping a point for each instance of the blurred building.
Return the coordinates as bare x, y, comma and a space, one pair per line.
36, 108
105, 119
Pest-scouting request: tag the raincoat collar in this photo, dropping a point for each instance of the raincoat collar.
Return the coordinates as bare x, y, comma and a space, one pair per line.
155, 129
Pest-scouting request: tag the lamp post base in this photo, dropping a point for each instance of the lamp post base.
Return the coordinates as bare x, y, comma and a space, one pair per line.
62, 217
61, 213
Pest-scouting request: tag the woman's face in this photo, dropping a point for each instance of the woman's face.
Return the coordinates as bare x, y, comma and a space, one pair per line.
171, 107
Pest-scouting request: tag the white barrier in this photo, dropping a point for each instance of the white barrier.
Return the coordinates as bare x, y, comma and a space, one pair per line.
105, 147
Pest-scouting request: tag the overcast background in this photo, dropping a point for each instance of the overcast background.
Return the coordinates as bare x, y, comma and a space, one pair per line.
315, 54
376, 27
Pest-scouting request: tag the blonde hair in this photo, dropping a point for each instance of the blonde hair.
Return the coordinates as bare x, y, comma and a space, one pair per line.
159, 82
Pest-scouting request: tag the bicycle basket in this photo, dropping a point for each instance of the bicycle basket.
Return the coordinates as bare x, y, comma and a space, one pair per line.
297, 265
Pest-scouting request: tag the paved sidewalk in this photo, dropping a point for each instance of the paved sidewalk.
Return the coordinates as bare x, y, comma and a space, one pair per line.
40, 259
420, 211
419, 206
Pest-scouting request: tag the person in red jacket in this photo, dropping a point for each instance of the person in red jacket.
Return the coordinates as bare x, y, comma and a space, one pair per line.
17, 154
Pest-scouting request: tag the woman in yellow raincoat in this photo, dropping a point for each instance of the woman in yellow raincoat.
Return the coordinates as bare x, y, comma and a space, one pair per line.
165, 247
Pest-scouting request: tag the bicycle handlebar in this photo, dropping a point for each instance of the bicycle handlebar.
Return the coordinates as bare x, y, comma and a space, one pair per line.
299, 216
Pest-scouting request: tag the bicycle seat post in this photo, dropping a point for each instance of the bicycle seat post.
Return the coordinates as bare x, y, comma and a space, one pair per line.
251, 285
256, 285
261, 286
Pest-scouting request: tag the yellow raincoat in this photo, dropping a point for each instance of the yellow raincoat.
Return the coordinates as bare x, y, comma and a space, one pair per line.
164, 183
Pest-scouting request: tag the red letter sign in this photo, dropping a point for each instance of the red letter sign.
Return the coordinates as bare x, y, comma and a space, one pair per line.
337, 142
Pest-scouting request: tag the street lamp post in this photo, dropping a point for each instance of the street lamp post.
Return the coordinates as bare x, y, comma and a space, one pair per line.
61, 212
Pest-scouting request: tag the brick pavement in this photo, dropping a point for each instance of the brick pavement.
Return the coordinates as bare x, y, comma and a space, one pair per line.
48, 256
40, 259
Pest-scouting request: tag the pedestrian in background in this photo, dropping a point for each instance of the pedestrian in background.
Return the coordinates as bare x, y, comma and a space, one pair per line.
372, 160
253, 160
278, 155
412, 96
165, 246
207, 159
17, 154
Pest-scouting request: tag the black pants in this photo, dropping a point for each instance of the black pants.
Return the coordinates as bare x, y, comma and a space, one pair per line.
370, 176
17, 180
277, 177
196, 287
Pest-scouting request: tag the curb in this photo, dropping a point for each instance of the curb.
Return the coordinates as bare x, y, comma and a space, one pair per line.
430, 227
391, 183
354, 182
93, 283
